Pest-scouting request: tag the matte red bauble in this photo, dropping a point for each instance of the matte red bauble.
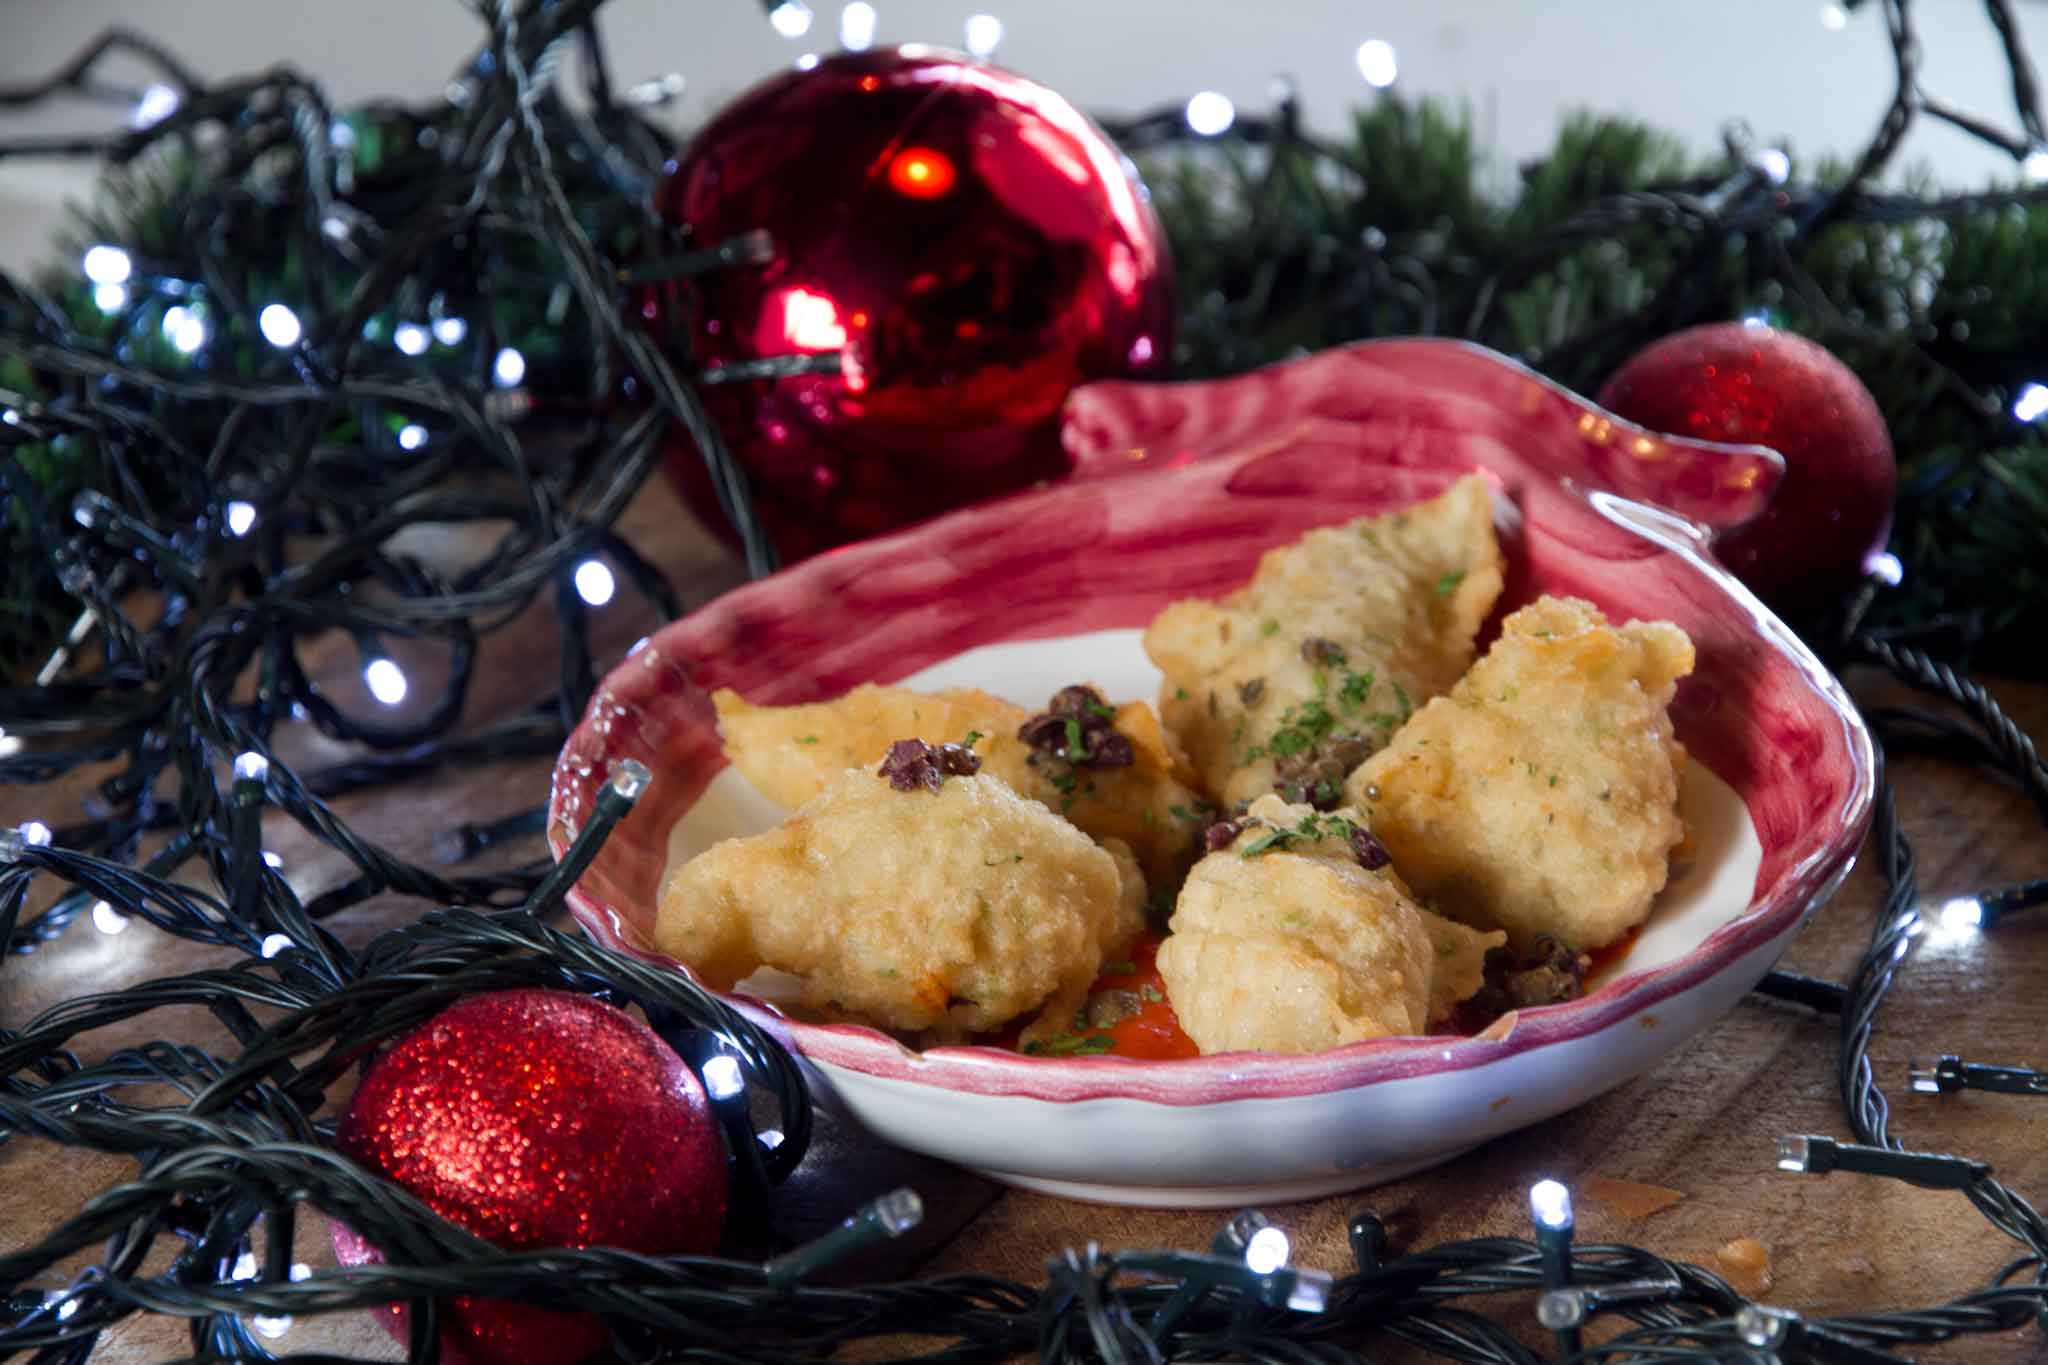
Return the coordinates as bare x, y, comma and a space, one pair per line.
1743, 383
971, 244
538, 1119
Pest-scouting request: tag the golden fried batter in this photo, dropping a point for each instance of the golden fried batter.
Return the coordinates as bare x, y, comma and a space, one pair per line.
1541, 795
1284, 942
1296, 677
1131, 898
952, 911
1057, 1016
791, 752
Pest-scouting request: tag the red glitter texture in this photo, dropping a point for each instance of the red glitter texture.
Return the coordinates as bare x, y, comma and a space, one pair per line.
539, 1119
1754, 385
969, 241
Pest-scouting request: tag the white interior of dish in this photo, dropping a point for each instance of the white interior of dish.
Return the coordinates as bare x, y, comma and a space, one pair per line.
1711, 888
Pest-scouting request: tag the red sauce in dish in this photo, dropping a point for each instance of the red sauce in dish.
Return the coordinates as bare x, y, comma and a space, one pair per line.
1151, 1034
1154, 1032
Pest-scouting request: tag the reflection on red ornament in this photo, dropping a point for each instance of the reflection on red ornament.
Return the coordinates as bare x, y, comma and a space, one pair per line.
810, 322
921, 173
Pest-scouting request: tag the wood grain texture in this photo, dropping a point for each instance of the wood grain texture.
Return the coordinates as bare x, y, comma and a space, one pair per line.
1704, 1123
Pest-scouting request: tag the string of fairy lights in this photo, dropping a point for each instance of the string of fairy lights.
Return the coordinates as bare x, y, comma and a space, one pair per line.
254, 526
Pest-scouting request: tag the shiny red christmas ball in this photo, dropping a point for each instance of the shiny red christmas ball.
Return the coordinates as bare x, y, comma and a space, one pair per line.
538, 1119
969, 242
1744, 383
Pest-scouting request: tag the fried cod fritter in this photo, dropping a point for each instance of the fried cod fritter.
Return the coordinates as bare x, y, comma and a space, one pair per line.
1294, 679
1541, 795
951, 911
1285, 940
792, 752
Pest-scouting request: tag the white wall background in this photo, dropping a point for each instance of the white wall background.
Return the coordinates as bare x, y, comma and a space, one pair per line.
1689, 66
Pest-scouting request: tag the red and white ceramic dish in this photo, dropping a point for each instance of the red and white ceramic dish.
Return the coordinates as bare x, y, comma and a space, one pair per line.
1177, 489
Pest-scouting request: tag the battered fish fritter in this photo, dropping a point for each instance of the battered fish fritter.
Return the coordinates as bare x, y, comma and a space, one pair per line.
1541, 795
791, 752
1294, 679
951, 911
1284, 941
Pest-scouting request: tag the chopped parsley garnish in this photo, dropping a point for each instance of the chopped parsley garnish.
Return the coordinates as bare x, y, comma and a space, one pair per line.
1311, 827
1302, 727
1180, 694
1448, 584
974, 737
1269, 628
1265, 843
1151, 994
1369, 851
807, 739
1351, 693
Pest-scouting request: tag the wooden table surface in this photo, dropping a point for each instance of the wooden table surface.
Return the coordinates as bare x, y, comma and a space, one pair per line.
1704, 1124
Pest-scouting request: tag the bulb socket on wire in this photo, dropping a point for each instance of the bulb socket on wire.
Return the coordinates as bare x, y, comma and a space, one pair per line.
1813, 1155
1367, 1233
16, 841
880, 1220
1562, 1309
630, 778
1961, 916
1948, 1073
1787, 1335
723, 1074
1550, 1209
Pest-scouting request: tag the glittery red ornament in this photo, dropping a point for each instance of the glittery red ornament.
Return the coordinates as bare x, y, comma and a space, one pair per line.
538, 1119
1740, 382
969, 241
